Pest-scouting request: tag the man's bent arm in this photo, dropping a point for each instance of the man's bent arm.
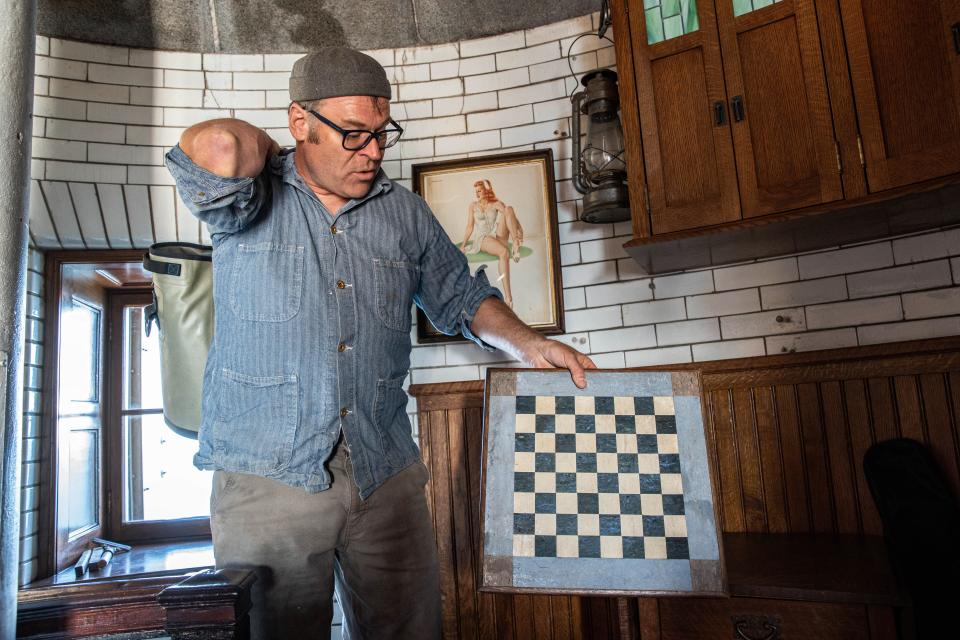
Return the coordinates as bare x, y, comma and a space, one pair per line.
229, 148
498, 326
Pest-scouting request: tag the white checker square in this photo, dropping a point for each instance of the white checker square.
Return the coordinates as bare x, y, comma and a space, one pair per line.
544, 443
545, 524
667, 443
631, 525
623, 406
671, 483
524, 461
626, 443
629, 483
565, 462
609, 503
566, 503
524, 503
565, 423
586, 482
546, 405
545, 482
646, 424
568, 547
651, 504
526, 423
611, 547
649, 463
586, 443
583, 405
663, 405
524, 545
607, 462
675, 526
605, 423
588, 524
655, 548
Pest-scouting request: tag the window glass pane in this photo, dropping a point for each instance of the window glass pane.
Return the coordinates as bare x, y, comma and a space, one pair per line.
668, 19
159, 479
79, 357
741, 7
83, 489
141, 363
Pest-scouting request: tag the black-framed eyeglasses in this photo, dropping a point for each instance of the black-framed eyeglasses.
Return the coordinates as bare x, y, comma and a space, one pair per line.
356, 139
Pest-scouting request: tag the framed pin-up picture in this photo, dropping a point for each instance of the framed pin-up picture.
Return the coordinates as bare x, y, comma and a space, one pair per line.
605, 490
501, 211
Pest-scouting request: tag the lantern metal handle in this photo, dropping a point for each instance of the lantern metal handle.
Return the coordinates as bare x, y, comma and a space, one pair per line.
577, 102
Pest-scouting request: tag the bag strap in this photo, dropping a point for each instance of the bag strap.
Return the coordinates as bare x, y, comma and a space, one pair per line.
157, 266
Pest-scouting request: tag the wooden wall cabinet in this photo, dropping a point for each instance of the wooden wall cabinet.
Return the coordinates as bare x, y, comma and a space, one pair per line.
741, 112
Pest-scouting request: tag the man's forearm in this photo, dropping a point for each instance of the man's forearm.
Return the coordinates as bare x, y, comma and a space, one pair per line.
228, 147
497, 325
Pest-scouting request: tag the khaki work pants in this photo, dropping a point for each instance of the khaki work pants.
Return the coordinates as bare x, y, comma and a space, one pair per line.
379, 554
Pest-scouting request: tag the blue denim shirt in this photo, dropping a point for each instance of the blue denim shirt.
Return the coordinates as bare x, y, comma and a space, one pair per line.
312, 328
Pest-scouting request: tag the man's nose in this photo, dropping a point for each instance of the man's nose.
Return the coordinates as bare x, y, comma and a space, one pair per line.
373, 150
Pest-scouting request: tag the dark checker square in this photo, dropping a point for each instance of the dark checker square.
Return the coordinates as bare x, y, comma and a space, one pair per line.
673, 505
544, 462
627, 463
653, 526
586, 462
666, 424
609, 525
626, 424
523, 523
526, 404
566, 524
606, 443
608, 483
603, 405
643, 406
545, 424
588, 503
523, 481
585, 424
564, 404
629, 504
546, 503
677, 549
632, 547
647, 443
565, 442
524, 442
567, 483
589, 546
649, 483
669, 463
545, 546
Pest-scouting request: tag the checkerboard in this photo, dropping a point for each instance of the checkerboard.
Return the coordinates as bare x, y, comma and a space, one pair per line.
597, 477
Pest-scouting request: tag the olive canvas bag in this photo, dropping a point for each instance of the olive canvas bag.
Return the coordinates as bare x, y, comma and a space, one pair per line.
183, 310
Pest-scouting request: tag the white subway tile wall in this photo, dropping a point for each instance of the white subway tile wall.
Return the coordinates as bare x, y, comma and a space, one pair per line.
30, 444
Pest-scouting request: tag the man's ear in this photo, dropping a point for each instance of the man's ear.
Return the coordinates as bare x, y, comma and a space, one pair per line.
297, 121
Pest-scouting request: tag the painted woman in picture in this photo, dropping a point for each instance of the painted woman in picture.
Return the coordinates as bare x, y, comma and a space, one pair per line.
491, 225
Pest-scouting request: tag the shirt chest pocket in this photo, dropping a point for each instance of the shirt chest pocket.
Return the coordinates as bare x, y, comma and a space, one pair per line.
267, 282
397, 281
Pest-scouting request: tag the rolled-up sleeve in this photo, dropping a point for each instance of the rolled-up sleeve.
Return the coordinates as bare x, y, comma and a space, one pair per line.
226, 205
448, 294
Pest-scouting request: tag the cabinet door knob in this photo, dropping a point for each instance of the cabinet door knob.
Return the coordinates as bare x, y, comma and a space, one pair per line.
955, 29
719, 113
736, 106
761, 628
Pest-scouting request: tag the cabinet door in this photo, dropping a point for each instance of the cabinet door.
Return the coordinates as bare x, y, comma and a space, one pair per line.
687, 150
905, 66
787, 156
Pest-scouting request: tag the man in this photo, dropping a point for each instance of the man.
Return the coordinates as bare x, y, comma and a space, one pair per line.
317, 257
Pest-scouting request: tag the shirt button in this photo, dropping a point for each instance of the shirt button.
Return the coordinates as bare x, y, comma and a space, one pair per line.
341, 347
340, 284
333, 229
344, 412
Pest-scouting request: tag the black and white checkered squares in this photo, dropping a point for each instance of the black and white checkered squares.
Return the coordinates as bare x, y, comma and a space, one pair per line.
597, 477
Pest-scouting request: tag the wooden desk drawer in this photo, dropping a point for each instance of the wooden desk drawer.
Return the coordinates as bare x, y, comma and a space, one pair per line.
760, 619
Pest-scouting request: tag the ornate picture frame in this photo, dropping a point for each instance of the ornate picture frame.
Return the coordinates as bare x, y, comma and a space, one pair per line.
502, 211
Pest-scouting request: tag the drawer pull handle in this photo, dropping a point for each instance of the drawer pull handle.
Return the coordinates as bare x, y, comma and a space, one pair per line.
719, 113
772, 631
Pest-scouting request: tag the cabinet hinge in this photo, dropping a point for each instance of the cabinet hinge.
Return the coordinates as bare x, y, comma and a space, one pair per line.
836, 147
860, 149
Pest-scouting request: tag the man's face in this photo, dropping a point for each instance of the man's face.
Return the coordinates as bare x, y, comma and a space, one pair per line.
324, 164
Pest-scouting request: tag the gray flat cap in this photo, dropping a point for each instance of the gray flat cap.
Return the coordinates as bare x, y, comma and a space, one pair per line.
337, 71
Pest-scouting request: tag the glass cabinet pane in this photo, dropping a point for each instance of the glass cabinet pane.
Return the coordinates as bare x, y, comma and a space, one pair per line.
741, 7
668, 19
